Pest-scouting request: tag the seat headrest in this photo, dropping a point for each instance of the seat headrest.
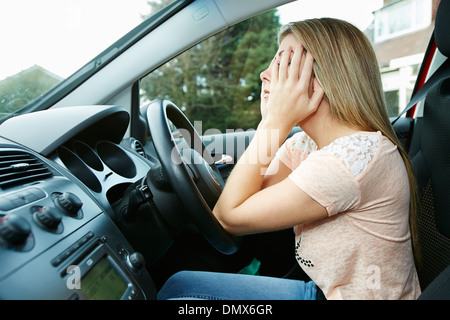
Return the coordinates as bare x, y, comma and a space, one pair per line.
441, 32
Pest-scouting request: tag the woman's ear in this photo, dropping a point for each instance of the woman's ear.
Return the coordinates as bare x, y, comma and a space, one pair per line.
316, 84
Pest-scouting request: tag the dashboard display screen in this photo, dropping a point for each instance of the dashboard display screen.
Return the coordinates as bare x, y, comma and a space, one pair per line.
103, 282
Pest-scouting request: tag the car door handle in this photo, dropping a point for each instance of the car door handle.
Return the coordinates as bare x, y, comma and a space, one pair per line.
225, 159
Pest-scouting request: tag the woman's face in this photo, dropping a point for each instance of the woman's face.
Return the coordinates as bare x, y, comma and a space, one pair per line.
288, 41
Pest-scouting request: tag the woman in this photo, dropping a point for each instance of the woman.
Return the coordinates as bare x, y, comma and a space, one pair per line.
344, 183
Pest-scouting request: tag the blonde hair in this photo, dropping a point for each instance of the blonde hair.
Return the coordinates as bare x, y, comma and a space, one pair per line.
347, 69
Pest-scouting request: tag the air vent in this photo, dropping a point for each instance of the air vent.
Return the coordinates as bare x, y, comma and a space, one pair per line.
138, 147
18, 167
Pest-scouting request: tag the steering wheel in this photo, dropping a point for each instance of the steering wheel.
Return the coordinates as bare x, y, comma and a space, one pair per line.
190, 171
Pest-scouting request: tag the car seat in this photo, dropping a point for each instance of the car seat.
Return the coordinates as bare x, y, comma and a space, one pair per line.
430, 156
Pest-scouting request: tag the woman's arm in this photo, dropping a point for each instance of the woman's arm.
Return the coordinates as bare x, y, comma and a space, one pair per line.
276, 172
249, 204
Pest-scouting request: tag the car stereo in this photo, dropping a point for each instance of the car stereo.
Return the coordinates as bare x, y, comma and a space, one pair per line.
101, 275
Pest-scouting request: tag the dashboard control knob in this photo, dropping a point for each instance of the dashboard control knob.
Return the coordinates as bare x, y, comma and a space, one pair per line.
136, 260
14, 229
69, 203
49, 217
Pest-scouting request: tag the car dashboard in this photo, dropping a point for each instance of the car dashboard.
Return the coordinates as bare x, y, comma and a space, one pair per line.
61, 170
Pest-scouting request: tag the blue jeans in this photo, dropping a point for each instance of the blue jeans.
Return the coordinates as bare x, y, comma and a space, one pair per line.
193, 285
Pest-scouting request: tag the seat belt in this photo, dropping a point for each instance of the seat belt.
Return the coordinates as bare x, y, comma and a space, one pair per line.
442, 72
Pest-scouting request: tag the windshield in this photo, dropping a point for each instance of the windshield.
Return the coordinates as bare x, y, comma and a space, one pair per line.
44, 42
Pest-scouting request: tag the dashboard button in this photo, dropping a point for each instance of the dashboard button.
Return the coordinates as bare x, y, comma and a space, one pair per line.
69, 203
14, 229
6, 204
48, 217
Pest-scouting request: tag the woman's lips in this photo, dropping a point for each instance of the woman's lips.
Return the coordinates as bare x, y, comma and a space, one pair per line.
266, 94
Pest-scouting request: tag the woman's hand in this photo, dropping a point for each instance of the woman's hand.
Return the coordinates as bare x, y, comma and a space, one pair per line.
294, 93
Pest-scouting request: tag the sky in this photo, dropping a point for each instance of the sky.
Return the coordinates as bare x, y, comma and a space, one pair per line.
49, 33
341, 9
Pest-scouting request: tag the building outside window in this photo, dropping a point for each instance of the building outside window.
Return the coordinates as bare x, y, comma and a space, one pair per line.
397, 18
400, 34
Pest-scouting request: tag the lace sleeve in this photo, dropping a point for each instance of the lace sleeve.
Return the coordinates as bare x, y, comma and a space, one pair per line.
296, 149
355, 151
302, 142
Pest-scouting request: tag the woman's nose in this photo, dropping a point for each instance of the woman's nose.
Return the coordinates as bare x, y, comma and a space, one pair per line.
265, 75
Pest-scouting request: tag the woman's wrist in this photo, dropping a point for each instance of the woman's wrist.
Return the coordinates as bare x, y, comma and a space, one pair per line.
281, 127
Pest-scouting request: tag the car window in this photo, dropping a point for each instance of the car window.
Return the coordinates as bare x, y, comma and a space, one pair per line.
45, 42
216, 83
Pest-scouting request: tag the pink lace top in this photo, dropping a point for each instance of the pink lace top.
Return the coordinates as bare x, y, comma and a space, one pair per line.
363, 249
